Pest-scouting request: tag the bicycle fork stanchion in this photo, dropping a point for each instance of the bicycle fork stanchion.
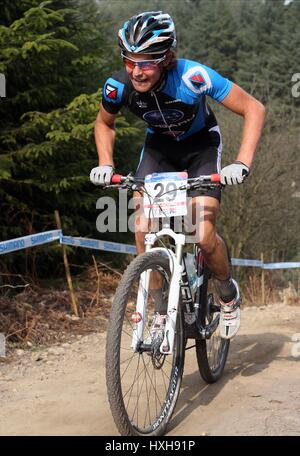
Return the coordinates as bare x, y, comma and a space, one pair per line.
141, 306
176, 268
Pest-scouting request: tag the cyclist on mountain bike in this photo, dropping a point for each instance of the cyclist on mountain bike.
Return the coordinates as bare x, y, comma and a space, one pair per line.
182, 134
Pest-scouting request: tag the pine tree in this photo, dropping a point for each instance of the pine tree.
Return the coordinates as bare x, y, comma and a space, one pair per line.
54, 60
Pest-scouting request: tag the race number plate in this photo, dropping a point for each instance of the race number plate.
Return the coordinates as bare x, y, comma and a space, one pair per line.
163, 197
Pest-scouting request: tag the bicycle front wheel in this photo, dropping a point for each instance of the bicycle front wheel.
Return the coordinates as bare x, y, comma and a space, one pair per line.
143, 384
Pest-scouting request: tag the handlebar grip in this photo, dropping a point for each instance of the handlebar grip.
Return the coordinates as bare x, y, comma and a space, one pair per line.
215, 178
116, 179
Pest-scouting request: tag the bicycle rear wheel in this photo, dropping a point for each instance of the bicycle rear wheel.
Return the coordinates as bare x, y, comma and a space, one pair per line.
143, 386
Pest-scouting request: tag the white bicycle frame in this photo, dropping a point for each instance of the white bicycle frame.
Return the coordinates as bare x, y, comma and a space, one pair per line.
176, 268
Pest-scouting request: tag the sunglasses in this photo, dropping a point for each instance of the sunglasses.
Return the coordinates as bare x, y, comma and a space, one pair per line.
145, 65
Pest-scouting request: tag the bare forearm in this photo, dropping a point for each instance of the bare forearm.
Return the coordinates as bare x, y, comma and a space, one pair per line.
253, 125
105, 139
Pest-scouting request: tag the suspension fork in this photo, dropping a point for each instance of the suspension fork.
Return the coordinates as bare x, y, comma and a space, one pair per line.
167, 345
141, 307
176, 268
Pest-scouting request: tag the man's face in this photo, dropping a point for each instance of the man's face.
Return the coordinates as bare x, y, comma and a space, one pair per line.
143, 79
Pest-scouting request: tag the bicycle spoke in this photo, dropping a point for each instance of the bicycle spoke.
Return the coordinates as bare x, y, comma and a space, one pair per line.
132, 385
164, 380
148, 402
138, 395
156, 395
152, 383
127, 366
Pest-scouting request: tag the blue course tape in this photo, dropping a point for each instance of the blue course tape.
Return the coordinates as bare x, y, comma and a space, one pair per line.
281, 265
126, 248
98, 245
43, 238
29, 241
239, 262
260, 264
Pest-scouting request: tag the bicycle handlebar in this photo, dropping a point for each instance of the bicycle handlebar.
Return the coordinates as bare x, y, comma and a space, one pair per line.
118, 179
204, 180
215, 178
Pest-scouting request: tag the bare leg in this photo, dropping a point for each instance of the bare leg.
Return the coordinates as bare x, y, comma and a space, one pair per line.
205, 210
142, 224
215, 255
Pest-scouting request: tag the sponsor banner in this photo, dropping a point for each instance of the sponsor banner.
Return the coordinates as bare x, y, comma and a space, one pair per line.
98, 245
29, 241
33, 240
239, 262
281, 265
260, 264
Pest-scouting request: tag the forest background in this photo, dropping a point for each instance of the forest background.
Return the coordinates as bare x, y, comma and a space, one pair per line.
56, 55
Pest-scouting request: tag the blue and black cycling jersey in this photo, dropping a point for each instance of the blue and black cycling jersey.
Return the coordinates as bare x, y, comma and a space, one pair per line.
177, 105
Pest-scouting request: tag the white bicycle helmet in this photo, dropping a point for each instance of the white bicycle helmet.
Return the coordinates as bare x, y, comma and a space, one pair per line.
151, 32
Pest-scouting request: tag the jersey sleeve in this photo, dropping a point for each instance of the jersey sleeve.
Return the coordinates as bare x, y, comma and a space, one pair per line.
202, 80
113, 94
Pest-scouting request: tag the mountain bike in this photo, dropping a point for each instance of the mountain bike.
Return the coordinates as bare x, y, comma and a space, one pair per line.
143, 373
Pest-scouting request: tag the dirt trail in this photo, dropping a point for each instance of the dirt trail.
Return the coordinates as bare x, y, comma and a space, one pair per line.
61, 390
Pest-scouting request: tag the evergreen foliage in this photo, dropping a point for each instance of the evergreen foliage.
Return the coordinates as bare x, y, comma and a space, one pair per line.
56, 55
55, 59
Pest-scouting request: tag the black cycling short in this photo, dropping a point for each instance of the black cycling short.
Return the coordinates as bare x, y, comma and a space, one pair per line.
198, 154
